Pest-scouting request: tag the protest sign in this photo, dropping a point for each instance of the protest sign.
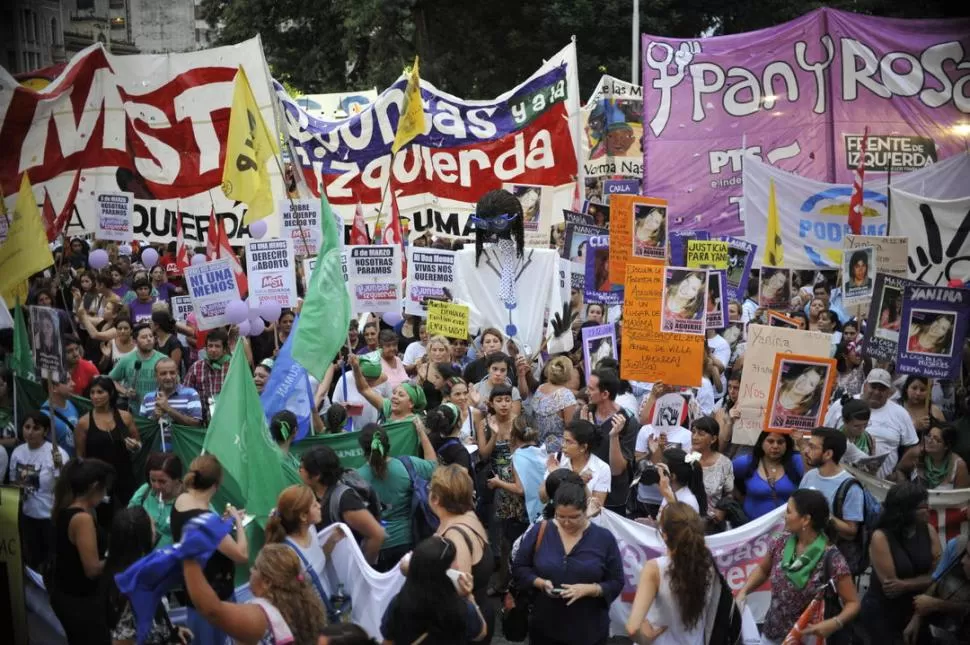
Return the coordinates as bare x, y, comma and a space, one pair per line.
45, 328
579, 228
684, 301
671, 409
598, 343
800, 390
612, 123
936, 226
565, 282
741, 254
13, 612
597, 284
778, 319
431, 276
650, 231
374, 278
621, 231
271, 268
858, 267
621, 187
598, 213
775, 288
707, 254
890, 252
649, 355
541, 209
762, 346
717, 300
212, 286
934, 328
115, 212
447, 319
181, 307
885, 317
677, 245
301, 223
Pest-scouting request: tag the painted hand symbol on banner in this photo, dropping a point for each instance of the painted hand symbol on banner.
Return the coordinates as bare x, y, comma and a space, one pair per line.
936, 264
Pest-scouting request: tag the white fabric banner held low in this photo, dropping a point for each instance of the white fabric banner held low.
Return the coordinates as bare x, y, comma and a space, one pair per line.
939, 234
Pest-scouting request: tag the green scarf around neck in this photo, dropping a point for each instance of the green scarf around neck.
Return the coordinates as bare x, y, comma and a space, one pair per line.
799, 569
218, 362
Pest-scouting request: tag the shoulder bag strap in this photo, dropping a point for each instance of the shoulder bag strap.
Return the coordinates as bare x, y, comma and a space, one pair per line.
314, 578
542, 534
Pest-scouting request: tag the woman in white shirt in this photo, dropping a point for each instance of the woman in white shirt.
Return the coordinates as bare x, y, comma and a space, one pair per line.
580, 439
34, 467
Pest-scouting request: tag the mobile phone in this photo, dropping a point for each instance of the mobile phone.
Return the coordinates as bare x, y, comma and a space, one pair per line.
557, 591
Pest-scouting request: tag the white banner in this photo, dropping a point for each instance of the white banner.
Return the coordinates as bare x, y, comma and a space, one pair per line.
271, 269
301, 223
181, 307
114, 217
374, 278
939, 234
431, 272
612, 122
212, 286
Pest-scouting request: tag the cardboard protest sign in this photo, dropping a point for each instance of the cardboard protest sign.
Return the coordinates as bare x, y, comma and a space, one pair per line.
671, 409
775, 288
271, 268
181, 307
598, 343
649, 355
301, 223
885, 317
778, 319
800, 390
717, 300
212, 286
45, 330
684, 301
934, 328
621, 231
707, 254
579, 228
677, 245
431, 276
891, 259
115, 213
741, 255
650, 231
762, 346
858, 268
598, 286
447, 319
374, 274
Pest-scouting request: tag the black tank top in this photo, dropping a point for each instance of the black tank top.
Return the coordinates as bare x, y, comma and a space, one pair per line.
69, 576
109, 446
219, 570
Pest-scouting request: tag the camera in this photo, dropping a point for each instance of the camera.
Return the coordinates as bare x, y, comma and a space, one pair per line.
647, 473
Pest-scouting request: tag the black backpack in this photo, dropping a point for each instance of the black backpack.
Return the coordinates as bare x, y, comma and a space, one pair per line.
352, 481
856, 550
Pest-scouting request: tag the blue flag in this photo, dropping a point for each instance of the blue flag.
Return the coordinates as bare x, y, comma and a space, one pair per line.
289, 388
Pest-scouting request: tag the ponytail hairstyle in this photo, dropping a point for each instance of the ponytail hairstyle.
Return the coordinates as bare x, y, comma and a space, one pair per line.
79, 477
376, 446
205, 471
523, 432
285, 520
812, 503
288, 589
334, 418
555, 479
442, 422
854, 409
689, 474
283, 426
691, 565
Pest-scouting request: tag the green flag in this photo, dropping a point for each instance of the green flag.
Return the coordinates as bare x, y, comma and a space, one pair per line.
325, 315
253, 465
22, 359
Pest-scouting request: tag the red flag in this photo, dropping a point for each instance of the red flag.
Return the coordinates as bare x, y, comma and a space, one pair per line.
358, 232
218, 242
856, 202
49, 216
393, 233
55, 222
577, 202
181, 253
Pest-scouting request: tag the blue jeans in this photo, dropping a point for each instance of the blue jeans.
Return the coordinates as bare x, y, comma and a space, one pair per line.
203, 633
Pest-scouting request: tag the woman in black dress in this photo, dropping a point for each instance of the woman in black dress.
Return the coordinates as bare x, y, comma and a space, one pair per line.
109, 434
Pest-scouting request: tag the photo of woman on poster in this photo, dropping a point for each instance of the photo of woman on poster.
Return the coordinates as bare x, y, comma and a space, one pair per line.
715, 313
600, 214
684, 295
931, 332
530, 197
649, 231
857, 271
737, 261
774, 288
799, 392
890, 315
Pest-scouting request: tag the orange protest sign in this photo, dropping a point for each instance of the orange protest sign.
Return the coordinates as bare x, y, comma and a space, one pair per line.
647, 353
622, 228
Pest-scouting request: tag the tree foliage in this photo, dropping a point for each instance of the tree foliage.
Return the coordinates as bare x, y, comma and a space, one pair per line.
480, 49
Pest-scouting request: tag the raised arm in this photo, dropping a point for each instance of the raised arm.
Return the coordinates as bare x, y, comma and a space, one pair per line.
363, 387
245, 623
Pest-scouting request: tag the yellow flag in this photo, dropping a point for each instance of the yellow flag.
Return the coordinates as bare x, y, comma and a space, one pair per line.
249, 146
774, 251
25, 251
411, 123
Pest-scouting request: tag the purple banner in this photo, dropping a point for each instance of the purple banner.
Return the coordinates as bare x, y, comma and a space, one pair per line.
934, 327
798, 96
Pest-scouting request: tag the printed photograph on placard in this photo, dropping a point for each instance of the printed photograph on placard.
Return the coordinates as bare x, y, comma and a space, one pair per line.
596, 285
889, 303
858, 269
598, 343
778, 319
931, 332
684, 301
800, 390
717, 300
649, 231
48, 350
774, 287
734, 334
531, 199
557, 237
737, 264
600, 214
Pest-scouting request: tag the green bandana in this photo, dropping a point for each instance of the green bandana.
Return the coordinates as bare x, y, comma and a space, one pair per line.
861, 442
218, 362
370, 365
799, 569
416, 394
933, 474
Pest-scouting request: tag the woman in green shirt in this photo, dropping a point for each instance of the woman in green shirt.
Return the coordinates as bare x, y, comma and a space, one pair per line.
157, 497
402, 409
389, 478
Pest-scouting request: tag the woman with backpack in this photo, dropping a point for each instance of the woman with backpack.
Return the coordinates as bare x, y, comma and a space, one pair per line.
765, 479
390, 479
344, 497
678, 594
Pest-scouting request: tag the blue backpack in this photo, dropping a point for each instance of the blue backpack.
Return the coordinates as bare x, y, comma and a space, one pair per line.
424, 522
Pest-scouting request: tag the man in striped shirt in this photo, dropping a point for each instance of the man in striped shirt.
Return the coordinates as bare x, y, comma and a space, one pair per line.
172, 402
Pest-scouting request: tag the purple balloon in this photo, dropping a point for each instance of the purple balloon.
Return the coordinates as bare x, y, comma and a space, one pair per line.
124, 249
256, 326
258, 229
392, 318
98, 259
244, 328
236, 312
149, 257
198, 259
270, 311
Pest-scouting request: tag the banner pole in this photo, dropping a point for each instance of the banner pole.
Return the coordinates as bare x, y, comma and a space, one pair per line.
380, 208
299, 224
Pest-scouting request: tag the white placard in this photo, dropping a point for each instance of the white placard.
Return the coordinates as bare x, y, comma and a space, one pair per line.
212, 286
301, 223
430, 273
115, 215
374, 274
271, 269
181, 307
